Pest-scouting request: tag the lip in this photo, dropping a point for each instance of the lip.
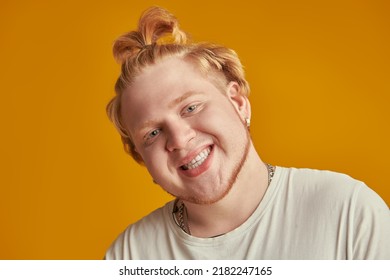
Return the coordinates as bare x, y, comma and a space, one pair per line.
200, 169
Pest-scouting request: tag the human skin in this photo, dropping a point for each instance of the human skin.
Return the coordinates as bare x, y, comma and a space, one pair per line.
173, 112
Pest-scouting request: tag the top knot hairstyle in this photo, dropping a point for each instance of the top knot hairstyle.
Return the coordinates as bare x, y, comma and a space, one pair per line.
158, 36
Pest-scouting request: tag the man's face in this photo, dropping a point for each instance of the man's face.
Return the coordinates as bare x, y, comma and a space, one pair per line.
190, 135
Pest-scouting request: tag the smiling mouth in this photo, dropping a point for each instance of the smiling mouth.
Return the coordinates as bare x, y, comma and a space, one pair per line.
198, 160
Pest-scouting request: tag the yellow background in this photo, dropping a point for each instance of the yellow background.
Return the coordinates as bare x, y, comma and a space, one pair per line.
319, 73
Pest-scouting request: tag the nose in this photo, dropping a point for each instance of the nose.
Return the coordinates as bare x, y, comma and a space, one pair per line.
179, 133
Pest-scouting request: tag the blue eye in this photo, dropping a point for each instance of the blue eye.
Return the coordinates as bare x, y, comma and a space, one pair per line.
153, 134
191, 108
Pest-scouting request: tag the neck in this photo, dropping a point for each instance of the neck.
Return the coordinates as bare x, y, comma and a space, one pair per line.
237, 206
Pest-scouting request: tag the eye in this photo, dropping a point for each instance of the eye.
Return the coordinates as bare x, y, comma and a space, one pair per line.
191, 108
152, 134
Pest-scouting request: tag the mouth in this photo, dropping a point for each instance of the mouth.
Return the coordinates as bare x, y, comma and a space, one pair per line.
198, 160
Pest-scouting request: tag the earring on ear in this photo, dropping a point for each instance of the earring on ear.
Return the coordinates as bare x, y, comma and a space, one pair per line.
248, 122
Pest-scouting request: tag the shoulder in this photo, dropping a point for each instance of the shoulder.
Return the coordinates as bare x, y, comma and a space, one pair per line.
322, 188
324, 181
319, 182
318, 177
128, 244
331, 188
335, 204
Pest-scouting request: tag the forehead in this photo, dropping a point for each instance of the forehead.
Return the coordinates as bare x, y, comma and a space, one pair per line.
173, 73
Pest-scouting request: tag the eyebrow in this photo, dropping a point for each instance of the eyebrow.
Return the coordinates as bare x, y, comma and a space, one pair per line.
147, 124
180, 99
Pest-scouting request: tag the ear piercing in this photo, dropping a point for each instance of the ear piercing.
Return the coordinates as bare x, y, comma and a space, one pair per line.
248, 122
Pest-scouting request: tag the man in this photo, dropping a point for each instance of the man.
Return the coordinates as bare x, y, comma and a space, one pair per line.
182, 110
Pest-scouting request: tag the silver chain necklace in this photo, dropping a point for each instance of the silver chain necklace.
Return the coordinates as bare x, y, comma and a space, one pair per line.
181, 210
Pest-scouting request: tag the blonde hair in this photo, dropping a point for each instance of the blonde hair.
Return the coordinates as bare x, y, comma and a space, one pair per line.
159, 36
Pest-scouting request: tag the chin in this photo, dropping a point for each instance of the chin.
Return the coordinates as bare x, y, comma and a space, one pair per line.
204, 198
223, 192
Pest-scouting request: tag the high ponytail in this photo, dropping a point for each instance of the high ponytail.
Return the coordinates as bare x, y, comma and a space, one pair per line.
158, 36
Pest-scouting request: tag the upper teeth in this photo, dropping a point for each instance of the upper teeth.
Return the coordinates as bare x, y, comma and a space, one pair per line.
198, 160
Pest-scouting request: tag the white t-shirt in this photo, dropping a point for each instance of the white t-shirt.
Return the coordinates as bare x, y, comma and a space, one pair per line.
305, 214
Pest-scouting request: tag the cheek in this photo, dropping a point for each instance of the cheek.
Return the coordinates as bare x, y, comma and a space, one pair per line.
225, 118
150, 159
154, 160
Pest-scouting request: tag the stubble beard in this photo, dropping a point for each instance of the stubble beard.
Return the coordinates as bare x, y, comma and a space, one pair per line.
230, 182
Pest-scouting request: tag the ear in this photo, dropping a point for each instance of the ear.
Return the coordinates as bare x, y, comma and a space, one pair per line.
239, 101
